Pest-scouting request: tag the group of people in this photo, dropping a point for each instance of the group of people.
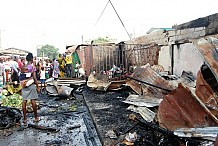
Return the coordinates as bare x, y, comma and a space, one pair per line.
65, 66
46, 68
17, 72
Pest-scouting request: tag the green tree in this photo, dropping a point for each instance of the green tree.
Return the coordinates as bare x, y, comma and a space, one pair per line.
49, 51
101, 40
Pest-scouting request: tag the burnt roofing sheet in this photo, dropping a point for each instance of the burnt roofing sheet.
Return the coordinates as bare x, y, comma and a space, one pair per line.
208, 48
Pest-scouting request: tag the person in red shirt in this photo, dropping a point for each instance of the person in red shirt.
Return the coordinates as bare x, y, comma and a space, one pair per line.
20, 63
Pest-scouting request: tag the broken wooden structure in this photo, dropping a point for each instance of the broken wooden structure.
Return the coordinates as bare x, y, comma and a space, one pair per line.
63, 87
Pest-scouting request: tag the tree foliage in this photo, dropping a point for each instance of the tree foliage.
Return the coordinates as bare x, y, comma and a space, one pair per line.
49, 51
102, 40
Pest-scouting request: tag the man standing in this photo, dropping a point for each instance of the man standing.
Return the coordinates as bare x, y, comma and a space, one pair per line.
68, 60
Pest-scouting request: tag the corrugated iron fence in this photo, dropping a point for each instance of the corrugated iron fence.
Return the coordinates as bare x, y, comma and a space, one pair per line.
103, 57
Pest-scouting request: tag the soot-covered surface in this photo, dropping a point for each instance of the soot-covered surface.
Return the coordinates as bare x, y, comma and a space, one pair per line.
108, 112
61, 115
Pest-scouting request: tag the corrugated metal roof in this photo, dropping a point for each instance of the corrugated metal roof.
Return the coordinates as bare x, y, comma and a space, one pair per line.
181, 109
209, 133
14, 51
209, 51
145, 73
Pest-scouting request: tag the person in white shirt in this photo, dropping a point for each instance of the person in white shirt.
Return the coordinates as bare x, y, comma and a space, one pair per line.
42, 76
13, 63
7, 71
77, 69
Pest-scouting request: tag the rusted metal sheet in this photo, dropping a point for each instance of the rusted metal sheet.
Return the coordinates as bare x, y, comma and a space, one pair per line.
71, 48
206, 94
209, 52
142, 54
145, 73
146, 113
116, 85
139, 100
81, 54
208, 133
88, 55
179, 109
96, 84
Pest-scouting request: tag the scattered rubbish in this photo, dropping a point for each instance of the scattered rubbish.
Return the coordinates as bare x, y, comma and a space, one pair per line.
96, 84
111, 134
63, 86
131, 137
163, 136
140, 100
64, 91
41, 127
117, 85
9, 116
70, 81
146, 113
188, 79
73, 108
73, 127
6, 132
127, 143
157, 68
208, 133
51, 89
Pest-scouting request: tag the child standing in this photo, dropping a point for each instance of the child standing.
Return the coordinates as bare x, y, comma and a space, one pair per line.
42, 76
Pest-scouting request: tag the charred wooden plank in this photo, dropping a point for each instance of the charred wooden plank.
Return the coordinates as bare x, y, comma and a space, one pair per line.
40, 127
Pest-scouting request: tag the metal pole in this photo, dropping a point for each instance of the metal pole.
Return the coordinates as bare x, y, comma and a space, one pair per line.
148, 84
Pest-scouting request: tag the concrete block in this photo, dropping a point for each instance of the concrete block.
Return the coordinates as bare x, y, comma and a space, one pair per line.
184, 36
215, 23
171, 33
186, 31
198, 34
199, 28
162, 36
211, 31
202, 33
162, 41
173, 39
211, 25
213, 17
141, 40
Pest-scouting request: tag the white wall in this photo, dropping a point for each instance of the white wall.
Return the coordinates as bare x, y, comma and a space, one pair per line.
165, 58
187, 58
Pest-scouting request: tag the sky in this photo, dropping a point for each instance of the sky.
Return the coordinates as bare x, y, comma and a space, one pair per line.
28, 24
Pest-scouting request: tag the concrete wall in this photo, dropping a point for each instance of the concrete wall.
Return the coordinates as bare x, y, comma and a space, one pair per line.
210, 23
165, 58
186, 58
